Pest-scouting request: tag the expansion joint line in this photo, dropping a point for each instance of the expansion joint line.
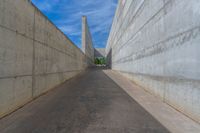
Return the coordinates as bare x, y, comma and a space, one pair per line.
33, 58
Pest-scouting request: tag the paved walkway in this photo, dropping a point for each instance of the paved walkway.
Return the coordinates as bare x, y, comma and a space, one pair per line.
89, 103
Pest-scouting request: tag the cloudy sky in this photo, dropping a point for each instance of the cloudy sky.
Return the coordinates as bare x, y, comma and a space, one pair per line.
66, 15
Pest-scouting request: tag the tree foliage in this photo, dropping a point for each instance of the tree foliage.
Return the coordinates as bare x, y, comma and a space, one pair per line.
100, 61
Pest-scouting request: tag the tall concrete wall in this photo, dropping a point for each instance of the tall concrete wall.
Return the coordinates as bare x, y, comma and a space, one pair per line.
99, 52
87, 44
34, 55
156, 44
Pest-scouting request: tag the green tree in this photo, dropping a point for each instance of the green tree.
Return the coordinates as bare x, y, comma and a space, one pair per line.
100, 61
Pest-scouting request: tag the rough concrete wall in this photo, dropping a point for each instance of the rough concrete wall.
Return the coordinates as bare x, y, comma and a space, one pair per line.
99, 52
87, 44
34, 55
156, 44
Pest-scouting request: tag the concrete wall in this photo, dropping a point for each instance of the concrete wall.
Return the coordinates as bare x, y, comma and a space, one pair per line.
34, 55
99, 52
87, 44
156, 44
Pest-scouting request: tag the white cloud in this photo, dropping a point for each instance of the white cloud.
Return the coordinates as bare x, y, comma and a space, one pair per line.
67, 16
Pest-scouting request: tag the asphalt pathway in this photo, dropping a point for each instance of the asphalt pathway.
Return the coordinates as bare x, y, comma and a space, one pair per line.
88, 103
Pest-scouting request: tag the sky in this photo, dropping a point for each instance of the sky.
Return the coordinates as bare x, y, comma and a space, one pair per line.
67, 16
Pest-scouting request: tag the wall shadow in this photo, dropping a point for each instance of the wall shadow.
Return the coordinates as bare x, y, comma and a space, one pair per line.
99, 54
109, 59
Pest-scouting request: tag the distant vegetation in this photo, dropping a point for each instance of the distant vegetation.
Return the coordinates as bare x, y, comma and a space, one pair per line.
100, 61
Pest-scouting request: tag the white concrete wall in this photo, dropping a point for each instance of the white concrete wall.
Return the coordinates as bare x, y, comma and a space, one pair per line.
34, 55
87, 43
156, 44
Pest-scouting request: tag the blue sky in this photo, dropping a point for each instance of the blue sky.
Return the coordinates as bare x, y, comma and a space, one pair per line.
66, 15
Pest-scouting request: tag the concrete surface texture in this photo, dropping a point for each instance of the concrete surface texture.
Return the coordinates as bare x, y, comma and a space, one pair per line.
99, 52
34, 55
173, 120
156, 44
87, 44
95, 105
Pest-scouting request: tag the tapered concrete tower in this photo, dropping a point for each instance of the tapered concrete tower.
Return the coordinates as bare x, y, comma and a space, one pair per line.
87, 44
